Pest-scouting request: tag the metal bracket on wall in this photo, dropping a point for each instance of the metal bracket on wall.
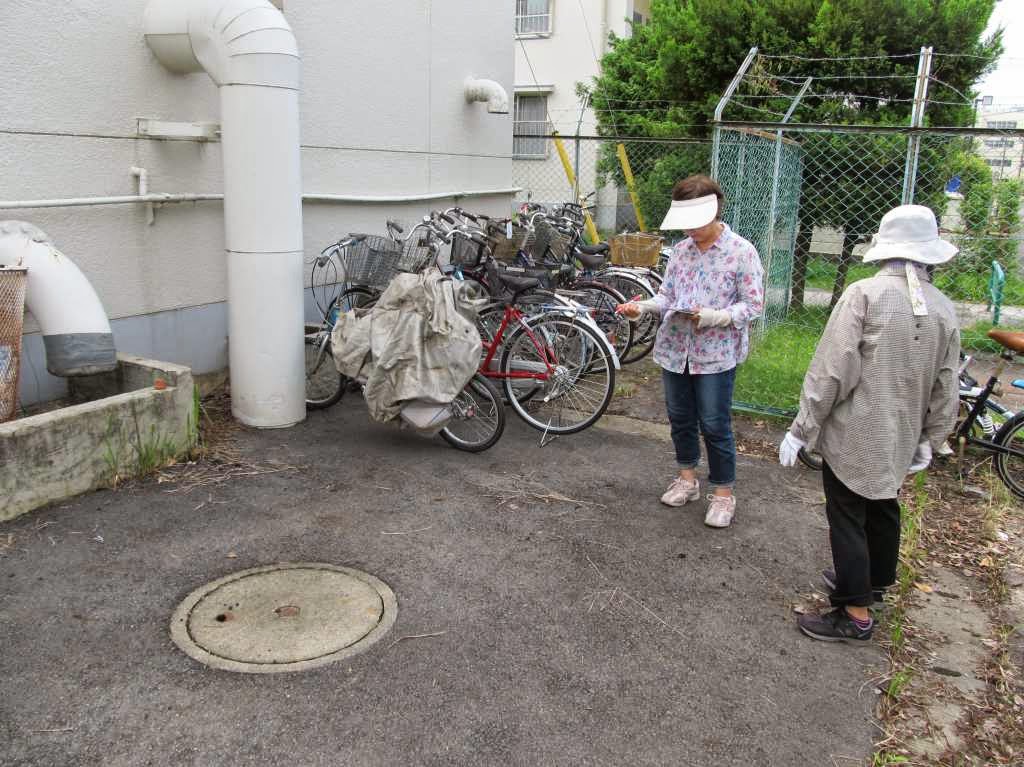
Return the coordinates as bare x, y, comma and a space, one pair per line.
177, 131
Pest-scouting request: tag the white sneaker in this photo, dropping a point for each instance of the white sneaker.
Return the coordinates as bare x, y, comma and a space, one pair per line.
720, 510
680, 491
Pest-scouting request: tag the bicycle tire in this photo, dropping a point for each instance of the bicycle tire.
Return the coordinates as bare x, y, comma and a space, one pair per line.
325, 386
584, 379
478, 396
1011, 468
602, 299
645, 328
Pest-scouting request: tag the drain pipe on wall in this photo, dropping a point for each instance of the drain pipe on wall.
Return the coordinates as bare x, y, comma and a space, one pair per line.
76, 330
250, 52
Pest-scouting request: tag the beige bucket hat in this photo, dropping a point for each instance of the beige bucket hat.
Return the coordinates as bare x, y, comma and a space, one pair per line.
909, 232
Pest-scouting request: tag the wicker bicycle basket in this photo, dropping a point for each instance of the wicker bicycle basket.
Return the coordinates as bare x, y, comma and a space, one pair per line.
635, 249
505, 248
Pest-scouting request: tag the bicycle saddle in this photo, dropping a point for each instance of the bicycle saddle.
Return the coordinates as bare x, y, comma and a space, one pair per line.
588, 259
599, 249
1010, 339
516, 283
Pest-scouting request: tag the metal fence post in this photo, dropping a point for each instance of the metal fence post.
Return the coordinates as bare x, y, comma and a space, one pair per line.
717, 134
776, 172
924, 67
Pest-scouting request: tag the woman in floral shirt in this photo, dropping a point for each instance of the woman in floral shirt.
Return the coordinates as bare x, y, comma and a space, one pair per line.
713, 289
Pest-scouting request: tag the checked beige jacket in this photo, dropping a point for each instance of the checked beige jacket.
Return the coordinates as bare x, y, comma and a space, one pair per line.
881, 381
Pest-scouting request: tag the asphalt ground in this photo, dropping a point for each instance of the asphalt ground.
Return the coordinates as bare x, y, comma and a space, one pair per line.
605, 629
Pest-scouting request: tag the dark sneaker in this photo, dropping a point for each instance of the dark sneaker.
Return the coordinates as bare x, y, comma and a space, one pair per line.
829, 577
834, 626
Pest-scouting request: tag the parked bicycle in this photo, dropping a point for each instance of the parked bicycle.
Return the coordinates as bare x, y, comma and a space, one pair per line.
474, 420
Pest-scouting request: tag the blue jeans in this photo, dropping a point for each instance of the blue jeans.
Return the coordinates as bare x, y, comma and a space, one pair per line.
703, 401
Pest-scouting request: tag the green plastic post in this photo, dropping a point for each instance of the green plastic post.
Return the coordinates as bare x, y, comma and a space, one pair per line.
995, 291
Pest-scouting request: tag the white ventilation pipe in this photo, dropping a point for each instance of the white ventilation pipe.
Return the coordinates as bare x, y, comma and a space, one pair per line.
489, 91
249, 51
76, 331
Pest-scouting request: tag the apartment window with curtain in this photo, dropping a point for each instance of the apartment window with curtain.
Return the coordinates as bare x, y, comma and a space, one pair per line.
533, 17
530, 113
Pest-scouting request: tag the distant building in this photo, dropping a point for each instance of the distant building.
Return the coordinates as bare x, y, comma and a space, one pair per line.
1003, 154
558, 44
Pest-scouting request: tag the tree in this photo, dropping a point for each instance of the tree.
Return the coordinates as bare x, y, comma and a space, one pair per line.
682, 60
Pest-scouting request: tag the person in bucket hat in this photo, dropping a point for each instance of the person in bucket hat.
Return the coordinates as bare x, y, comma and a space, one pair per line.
879, 396
711, 292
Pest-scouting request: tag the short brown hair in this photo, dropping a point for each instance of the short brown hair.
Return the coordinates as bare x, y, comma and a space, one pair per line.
699, 185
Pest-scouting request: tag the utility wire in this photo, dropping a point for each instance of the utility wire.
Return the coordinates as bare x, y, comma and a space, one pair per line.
597, 61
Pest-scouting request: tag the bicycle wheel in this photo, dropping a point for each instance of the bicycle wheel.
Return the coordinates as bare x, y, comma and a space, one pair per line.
478, 417
581, 380
602, 300
324, 384
1011, 467
645, 328
357, 298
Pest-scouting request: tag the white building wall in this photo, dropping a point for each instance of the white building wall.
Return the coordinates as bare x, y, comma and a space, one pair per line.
558, 61
382, 113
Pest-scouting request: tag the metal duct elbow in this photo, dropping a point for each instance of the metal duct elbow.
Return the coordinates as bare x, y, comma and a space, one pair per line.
76, 331
236, 42
487, 90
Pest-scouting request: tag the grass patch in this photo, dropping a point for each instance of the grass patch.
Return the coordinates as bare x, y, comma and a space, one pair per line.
958, 283
975, 337
774, 371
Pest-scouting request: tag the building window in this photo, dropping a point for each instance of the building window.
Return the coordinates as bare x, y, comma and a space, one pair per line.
638, 18
1002, 124
999, 142
531, 119
999, 163
533, 17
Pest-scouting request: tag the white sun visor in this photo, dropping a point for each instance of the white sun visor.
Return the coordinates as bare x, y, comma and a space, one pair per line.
691, 214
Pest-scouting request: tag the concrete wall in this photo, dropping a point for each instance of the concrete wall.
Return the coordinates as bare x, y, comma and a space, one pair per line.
72, 450
382, 113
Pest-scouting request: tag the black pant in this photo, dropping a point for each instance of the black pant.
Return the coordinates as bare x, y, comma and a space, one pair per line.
865, 537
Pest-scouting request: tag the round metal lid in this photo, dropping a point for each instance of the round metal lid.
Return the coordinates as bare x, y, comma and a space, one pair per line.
284, 617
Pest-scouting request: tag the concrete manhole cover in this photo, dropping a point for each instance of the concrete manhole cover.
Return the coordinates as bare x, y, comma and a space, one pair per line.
285, 617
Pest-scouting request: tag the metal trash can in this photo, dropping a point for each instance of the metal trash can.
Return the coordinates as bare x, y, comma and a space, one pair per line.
13, 285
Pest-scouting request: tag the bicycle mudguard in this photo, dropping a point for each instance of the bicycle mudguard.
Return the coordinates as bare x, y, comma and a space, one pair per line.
628, 274
1018, 383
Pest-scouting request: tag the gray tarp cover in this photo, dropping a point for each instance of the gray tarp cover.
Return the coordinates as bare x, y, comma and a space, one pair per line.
418, 342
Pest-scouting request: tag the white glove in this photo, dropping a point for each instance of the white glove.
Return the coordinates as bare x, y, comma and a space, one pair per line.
922, 457
789, 448
714, 318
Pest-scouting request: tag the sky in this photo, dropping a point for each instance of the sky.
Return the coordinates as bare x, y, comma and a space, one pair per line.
1005, 83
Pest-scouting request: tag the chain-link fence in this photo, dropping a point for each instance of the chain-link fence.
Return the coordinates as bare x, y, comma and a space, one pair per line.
810, 199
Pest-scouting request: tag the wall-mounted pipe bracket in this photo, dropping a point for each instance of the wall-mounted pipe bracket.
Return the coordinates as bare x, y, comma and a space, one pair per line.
177, 131
142, 175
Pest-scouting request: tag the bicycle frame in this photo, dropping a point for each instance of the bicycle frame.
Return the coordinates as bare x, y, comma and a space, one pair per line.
513, 315
963, 433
